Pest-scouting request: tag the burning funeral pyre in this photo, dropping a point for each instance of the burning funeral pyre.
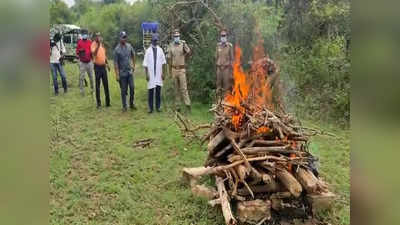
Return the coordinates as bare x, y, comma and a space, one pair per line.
258, 155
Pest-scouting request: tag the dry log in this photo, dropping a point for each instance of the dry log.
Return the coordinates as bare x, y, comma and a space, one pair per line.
218, 139
223, 151
195, 172
276, 200
188, 177
320, 202
259, 176
233, 157
214, 202
201, 171
266, 188
266, 143
236, 147
307, 180
204, 192
288, 180
235, 176
273, 149
266, 178
225, 205
253, 211
242, 173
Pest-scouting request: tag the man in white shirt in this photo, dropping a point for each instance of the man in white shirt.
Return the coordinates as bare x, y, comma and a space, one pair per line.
153, 63
57, 49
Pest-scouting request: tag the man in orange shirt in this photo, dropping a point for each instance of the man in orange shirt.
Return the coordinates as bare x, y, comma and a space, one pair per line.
100, 64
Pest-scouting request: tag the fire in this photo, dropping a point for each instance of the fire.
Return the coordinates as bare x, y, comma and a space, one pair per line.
251, 90
263, 130
240, 90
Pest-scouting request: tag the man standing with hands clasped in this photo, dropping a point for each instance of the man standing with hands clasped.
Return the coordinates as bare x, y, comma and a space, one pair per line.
224, 61
124, 65
100, 63
153, 63
178, 50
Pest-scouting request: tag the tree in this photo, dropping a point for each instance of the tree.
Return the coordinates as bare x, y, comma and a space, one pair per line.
60, 13
112, 1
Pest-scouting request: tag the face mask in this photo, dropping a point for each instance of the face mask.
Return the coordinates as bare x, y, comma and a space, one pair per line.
223, 39
176, 39
84, 37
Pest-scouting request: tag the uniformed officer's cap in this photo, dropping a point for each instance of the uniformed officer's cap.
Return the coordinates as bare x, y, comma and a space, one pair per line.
224, 32
176, 33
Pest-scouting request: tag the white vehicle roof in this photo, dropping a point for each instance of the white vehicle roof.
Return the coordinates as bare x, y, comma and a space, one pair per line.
62, 28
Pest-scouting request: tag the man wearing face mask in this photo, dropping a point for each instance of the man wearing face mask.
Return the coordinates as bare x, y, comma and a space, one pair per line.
178, 50
224, 62
85, 61
124, 65
153, 63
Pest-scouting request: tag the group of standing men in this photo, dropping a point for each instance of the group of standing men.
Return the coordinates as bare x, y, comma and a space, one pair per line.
92, 58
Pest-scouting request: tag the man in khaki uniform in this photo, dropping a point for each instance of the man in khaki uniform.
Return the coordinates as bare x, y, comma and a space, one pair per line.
224, 62
177, 51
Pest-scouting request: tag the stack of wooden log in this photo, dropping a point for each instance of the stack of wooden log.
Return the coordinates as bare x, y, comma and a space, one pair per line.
262, 166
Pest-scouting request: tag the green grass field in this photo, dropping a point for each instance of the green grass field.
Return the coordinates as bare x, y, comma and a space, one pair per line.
97, 177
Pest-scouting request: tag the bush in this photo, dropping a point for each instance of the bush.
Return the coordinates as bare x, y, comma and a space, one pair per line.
320, 79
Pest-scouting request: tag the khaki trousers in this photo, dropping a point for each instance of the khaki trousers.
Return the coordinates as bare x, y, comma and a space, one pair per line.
83, 69
224, 80
179, 77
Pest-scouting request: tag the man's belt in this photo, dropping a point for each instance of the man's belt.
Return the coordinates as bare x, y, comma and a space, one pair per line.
178, 67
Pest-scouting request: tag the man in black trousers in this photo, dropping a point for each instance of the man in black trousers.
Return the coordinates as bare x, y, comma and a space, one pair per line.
100, 63
124, 65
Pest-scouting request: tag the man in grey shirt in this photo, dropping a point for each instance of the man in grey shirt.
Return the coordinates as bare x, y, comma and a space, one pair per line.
124, 64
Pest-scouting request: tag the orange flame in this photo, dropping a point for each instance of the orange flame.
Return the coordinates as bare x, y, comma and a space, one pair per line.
251, 90
263, 130
240, 90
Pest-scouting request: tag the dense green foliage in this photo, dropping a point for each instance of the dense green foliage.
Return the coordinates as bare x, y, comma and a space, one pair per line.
309, 39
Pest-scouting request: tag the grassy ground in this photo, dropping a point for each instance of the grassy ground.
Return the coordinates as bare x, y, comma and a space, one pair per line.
97, 177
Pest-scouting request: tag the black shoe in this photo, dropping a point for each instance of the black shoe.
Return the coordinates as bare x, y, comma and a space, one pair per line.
150, 111
65, 91
159, 110
108, 105
133, 107
56, 94
124, 109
